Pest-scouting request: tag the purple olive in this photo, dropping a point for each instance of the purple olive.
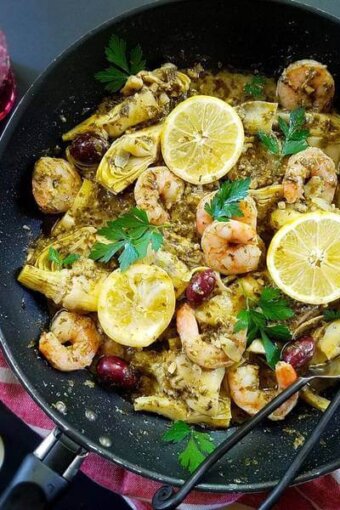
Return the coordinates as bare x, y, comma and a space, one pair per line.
88, 148
200, 286
115, 371
299, 352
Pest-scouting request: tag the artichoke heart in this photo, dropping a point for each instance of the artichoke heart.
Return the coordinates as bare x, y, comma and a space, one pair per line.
257, 116
76, 289
78, 242
183, 390
128, 157
132, 111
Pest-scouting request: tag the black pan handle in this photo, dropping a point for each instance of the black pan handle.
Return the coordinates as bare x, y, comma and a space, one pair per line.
44, 474
167, 499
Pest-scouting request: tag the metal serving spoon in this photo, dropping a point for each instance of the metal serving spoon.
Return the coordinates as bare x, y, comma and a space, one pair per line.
167, 499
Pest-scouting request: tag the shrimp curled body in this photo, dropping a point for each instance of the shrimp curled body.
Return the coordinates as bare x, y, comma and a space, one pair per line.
222, 352
244, 387
247, 207
231, 247
156, 191
313, 165
80, 332
306, 83
55, 184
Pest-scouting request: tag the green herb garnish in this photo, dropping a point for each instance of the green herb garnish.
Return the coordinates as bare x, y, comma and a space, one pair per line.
123, 66
331, 315
258, 319
295, 137
198, 446
54, 256
226, 202
131, 234
270, 142
255, 87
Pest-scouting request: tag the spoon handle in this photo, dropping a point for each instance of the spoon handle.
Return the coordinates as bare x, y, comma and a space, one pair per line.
166, 498
301, 456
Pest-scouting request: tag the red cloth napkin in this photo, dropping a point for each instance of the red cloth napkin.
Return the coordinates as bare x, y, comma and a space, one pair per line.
320, 494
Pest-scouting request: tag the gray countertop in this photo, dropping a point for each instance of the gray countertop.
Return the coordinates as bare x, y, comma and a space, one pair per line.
38, 30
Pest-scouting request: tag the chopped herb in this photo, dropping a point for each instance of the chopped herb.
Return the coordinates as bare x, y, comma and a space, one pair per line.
257, 319
54, 256
331, 315
123, 66
226, 202
255, 87
131, 234
198, 446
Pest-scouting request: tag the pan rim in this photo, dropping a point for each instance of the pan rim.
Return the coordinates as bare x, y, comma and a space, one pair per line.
52, 413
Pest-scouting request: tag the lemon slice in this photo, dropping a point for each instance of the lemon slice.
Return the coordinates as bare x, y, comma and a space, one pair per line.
137, 305
304, 258
202, 139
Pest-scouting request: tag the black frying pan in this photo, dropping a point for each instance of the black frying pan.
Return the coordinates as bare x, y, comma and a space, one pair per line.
241, 34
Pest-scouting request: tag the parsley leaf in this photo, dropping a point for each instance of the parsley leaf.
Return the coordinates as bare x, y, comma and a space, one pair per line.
272, 351
178, 431
225, 203
191, 457
70, 259
115, 76
295, 137
131, 234
270, 142
331, 315
116, 52
199, 444
269, 307
137, 60
255, 87
54, 256
274, 306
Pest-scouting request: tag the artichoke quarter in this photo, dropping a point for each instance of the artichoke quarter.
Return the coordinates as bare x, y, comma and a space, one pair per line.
76, 289
128, 157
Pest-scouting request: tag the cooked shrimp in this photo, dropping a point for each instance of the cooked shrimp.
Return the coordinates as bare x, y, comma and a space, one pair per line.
306, 83
247, 206
80, 332
220, 350
156, 191
314, 165
244, 387
55, 184
231, 248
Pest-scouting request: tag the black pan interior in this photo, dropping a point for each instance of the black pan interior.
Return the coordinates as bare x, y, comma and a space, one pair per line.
240, 34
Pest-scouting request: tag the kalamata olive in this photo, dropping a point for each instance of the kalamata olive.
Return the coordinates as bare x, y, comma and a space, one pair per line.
88, 148
115, 371
299, 352
200, 286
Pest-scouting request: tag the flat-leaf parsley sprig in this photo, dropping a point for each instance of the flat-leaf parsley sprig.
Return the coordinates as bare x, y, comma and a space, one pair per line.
69, 260
258, 318
198, 444
295, 135
123, 66
255, 87
131, 234
225, 204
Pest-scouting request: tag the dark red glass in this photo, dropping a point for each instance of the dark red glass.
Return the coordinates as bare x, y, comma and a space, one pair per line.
7, 80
